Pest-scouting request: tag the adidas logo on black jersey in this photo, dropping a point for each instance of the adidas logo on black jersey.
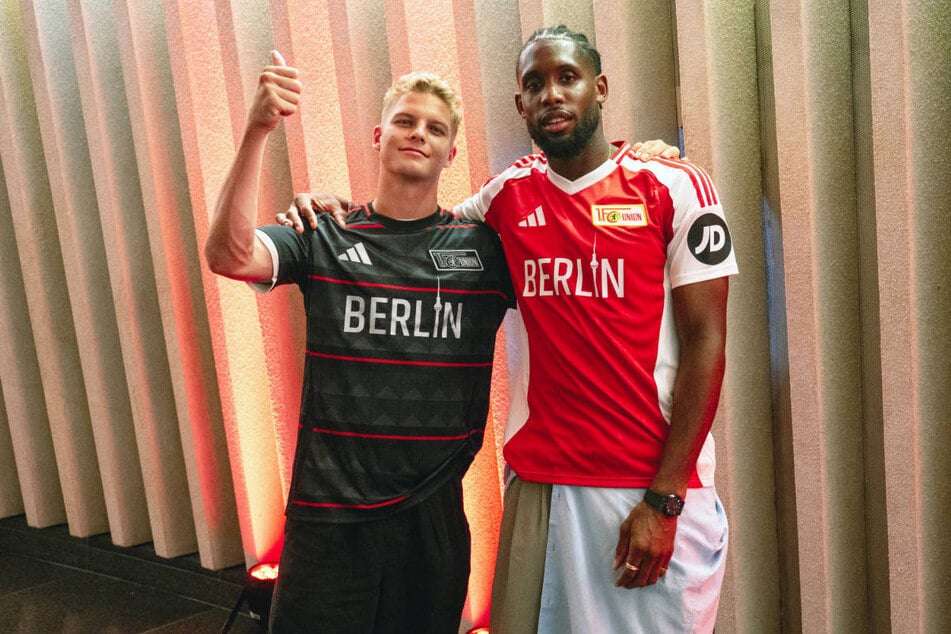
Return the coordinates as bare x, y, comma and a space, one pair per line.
356, 253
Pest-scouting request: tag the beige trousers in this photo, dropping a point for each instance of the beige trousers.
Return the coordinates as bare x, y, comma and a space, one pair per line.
520, 566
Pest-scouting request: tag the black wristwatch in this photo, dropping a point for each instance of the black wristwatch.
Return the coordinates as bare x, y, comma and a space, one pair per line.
670, 505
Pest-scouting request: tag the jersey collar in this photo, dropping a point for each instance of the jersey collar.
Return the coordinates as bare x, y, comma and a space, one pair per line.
592, 177
407, 226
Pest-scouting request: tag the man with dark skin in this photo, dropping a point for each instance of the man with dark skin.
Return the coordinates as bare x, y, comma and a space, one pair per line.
663, 210
621, 270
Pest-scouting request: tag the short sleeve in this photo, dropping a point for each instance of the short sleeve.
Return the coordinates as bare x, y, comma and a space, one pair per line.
290, 253
701, 247
472, 208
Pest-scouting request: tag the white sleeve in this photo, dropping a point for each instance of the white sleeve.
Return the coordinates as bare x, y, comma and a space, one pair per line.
265, 287
701, 248
472, 208
476, 206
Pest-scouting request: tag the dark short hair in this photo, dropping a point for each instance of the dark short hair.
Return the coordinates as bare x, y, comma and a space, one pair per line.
562, 32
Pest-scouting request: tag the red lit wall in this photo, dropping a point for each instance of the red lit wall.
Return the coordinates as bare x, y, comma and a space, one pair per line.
143, 397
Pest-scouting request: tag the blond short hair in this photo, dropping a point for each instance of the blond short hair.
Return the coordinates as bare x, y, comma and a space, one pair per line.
426, 83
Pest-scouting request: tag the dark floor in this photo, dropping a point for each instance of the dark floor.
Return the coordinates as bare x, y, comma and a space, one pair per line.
52, 582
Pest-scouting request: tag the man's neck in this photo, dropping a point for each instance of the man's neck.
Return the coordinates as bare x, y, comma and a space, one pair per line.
585, 161
405, 200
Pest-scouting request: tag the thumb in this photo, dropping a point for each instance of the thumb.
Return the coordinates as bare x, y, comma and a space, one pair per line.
277, 59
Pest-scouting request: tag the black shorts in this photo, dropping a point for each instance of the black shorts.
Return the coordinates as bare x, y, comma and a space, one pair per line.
405, 573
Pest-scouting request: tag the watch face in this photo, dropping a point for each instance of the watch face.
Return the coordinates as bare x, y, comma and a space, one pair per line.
673, 505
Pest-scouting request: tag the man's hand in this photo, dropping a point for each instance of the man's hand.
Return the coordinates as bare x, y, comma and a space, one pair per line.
307, 206
647, 150
277, 95
644, 547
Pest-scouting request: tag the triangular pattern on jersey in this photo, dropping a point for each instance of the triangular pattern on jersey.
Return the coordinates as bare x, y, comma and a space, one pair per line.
395, 393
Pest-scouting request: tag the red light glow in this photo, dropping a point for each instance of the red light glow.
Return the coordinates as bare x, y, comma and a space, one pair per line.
264, 572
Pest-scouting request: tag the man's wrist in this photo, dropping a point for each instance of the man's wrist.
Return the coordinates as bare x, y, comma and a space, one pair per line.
670, 504
255, 130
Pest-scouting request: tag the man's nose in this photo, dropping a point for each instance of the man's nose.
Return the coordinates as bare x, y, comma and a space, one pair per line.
552, 93
419, 131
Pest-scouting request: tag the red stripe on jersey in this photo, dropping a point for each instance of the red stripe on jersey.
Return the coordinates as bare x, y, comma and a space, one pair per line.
625, 150
706, 195
437, 364
334, 505
523, 163
395, 437
705, 181
456, 291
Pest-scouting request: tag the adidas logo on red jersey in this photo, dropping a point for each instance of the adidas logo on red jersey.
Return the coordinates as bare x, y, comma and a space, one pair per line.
534, 219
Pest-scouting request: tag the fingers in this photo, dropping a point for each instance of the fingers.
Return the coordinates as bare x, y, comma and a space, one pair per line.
656, 147
340, 217
626, 559
626, 550
646, 151
644, 549
639, 571
341, 210
631, 575
277, 96
281, 75
306, 206
281, 81
310, 205
292, 217
279, 101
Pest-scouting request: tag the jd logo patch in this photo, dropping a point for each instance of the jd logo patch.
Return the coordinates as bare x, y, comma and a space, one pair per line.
456, 259
709, 239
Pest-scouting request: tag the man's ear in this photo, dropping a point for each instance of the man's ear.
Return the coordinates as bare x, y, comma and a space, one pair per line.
451, 157
377, 133
518, 104
601, 83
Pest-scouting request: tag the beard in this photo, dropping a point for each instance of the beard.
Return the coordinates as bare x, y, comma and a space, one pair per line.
570, 145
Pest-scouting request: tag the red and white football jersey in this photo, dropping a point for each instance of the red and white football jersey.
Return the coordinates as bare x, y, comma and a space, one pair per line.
593, 262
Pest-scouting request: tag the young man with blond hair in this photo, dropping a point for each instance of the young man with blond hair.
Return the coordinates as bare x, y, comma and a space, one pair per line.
402, 307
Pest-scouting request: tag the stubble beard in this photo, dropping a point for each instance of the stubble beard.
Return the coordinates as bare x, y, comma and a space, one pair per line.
571, 145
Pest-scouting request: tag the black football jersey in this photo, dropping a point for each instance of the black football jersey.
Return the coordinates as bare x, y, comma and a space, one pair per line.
401, 325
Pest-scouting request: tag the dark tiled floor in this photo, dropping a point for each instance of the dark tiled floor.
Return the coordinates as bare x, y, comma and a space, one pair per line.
42, 596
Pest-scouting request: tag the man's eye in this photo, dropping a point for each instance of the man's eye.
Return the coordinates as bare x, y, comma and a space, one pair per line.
567, 78
438, 131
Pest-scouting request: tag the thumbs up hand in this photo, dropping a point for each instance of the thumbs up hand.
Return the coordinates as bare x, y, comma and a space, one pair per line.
277, 95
